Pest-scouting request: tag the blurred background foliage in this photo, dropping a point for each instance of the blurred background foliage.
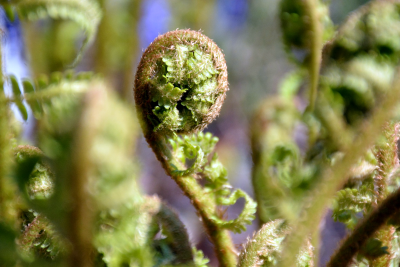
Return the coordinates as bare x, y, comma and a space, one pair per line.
246, 30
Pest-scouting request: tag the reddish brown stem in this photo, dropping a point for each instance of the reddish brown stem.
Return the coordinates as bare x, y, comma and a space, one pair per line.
365, 230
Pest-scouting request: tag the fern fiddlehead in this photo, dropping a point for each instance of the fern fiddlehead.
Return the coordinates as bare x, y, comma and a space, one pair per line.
180, 86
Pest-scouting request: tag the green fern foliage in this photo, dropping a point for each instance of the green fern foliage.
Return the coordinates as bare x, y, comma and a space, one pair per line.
351, 201
126, 222
34, 103
119, 213
360, 62
370, 182
39, 94
199, 259
86, 13
296, 25
197, 149
17, 94
246, 217
74, 199
282, 172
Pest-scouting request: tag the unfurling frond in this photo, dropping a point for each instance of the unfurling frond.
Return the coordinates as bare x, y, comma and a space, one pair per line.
86, 13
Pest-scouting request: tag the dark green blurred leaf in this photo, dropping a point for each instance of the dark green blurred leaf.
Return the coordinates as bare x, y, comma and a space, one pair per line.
23, 169
10, 13
17, 97
33, 103
8, 255
373, 249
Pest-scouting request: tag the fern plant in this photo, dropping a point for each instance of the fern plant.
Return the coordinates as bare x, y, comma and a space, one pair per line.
72, 198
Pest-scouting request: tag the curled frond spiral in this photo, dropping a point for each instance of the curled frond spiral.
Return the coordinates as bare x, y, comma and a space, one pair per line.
180, 83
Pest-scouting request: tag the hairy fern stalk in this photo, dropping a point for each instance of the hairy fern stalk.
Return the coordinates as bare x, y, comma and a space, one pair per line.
179, 88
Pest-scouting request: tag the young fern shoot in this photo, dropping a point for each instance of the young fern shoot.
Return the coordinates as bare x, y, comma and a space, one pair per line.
180, 86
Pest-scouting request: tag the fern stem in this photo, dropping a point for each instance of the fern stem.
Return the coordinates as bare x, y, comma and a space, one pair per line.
315, 33
223, 245
3, 138
365, 230
334, 123
129, 66
101, 64
80, 220
7, 197
54, 61
100, 59
204, 205
3, 154
333, 179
